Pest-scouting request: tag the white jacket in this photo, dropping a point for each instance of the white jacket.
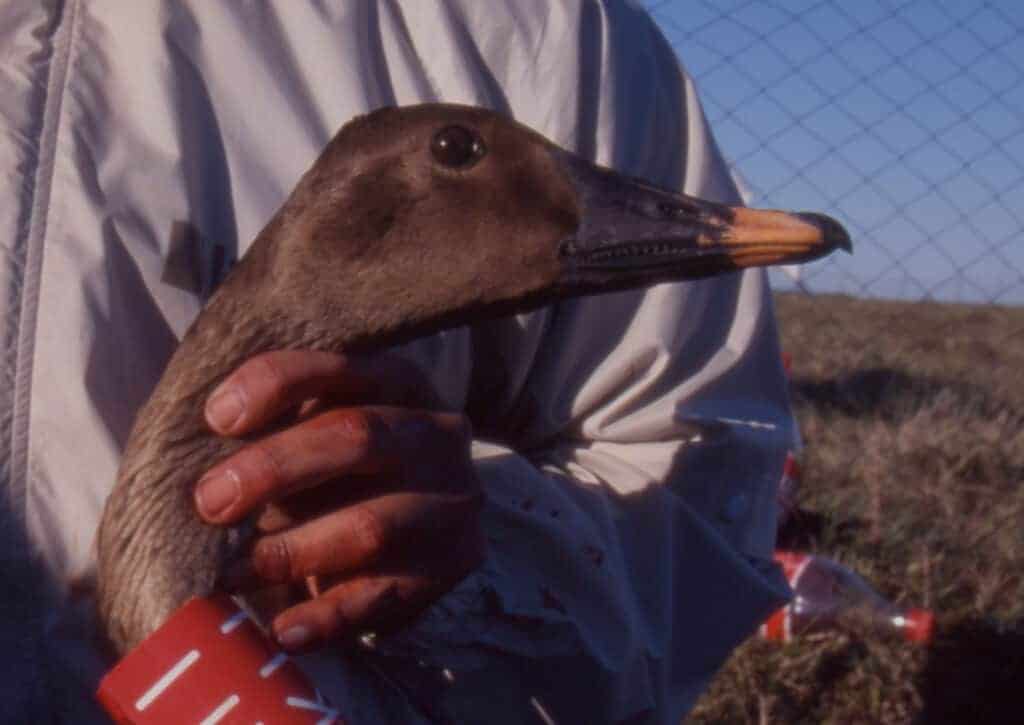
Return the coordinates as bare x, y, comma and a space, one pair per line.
630, 547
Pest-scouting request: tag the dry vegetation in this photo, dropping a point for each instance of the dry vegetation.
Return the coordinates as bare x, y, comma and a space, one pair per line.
913, 418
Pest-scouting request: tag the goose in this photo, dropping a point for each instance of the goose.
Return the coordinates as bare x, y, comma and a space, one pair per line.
412, 220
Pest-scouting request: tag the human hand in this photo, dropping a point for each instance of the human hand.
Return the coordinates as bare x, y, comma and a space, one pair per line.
365, 495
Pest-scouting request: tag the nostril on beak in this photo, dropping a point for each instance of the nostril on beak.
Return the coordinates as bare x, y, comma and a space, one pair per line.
676, 211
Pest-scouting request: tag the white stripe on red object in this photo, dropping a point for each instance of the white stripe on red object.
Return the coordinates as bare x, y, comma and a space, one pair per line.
221, 710
319, 706
166, 680
232, 622
276, 661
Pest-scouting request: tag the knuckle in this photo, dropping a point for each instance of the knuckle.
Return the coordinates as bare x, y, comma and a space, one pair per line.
360, 599
266, 369
267, 465
274, 559
354, 424
367, 531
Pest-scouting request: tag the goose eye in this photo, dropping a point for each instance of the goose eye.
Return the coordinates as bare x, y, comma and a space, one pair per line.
457, 147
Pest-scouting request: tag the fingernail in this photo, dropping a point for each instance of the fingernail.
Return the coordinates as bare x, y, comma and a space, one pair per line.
225, 408
216, 493
295, 636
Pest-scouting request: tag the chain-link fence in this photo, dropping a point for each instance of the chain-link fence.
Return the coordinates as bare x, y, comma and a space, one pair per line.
902, 118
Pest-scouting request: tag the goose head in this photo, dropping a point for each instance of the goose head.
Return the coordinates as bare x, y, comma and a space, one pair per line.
423, 217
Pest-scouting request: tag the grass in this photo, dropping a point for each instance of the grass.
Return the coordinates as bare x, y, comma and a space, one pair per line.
913, 420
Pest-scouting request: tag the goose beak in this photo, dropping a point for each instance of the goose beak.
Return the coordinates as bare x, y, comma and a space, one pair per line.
632, 233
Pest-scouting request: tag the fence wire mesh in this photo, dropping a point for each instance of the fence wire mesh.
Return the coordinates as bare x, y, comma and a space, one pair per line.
902, 118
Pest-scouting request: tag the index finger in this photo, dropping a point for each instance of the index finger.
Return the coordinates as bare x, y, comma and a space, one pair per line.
268, 384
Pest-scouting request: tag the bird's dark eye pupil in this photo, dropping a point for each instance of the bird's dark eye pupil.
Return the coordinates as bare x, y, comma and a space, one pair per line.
457, 147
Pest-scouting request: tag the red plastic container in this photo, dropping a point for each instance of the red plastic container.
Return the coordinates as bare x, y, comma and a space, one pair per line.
210, 665
828, 595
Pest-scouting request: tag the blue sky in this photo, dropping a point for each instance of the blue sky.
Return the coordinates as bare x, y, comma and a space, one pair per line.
904, 119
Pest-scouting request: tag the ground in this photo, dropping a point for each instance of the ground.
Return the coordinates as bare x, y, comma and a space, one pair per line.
913, 420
